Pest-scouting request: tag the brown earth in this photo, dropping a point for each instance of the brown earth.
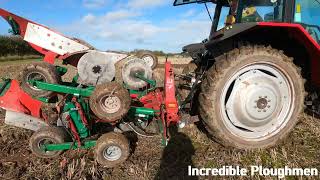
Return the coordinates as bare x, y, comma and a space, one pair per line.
188, 147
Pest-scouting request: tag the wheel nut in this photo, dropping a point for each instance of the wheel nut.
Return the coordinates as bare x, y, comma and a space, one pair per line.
269, 106
266, 97
264, 111
255, 107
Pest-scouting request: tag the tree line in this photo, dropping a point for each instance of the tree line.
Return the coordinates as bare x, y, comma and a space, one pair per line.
15, 46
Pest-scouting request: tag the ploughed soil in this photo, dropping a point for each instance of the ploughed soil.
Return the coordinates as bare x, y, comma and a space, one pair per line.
149, 159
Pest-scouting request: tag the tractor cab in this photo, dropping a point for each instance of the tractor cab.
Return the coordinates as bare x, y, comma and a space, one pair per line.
304, 12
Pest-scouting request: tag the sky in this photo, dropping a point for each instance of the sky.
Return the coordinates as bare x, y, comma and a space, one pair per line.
118, 24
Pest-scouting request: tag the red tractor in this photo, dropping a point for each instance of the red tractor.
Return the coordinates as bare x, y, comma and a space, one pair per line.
255, 68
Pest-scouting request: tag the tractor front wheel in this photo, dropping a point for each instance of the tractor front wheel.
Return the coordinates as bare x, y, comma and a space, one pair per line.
252, 97
112, 149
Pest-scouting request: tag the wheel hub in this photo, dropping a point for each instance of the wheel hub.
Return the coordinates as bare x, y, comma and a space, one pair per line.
148, 60
112, 153
111, 104
36, 76
257, 101
262, 103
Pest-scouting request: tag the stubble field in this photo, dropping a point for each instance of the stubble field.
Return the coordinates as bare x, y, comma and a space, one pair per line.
149, 160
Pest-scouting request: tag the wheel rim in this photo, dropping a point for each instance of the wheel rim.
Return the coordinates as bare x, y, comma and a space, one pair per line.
36, 76
257, 101
112, 153
110, 104
44, 141
148, 59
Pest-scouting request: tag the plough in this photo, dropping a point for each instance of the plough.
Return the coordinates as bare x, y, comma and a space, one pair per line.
99, 101
74, 118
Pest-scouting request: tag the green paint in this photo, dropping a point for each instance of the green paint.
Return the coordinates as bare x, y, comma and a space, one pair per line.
5, 86
69, 145
66, 89
75, 79
82, 130
145, 113
153, 85
43, 99
14, 25
61, 70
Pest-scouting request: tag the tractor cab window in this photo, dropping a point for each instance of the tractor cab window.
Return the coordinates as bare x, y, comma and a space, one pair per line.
183, 2
307, 13
260, 11
223, 17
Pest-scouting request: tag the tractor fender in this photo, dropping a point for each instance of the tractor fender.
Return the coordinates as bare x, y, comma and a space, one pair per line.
270, 33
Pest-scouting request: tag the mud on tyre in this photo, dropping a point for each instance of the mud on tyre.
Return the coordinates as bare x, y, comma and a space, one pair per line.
51, 135
112, 149
40, 71
150, 58
110, 101
252, 97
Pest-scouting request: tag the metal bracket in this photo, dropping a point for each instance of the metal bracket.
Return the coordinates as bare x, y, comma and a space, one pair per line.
23, 121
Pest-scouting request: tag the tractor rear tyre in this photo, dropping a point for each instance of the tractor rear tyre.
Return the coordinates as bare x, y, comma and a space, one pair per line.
110, 101
252, 97
40, 71
112, 149
150, 58
52, 135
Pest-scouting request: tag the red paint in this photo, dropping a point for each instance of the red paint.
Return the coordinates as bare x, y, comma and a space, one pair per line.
50, 57
15, 99
153, 100
295, 27
23, 23
170, 100
74, 130
299, 33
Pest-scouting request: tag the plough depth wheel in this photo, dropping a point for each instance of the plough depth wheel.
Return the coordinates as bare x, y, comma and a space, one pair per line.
40, 71
110, 101
112, 149
47, 135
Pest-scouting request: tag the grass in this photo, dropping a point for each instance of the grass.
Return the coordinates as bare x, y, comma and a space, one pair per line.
17, 62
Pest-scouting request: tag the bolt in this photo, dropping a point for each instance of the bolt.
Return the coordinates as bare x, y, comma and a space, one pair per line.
254, 71
260, 97
264, 110
284, 96
269, 100
259, 111
280, 82
255, 107
269, 106
266, 97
